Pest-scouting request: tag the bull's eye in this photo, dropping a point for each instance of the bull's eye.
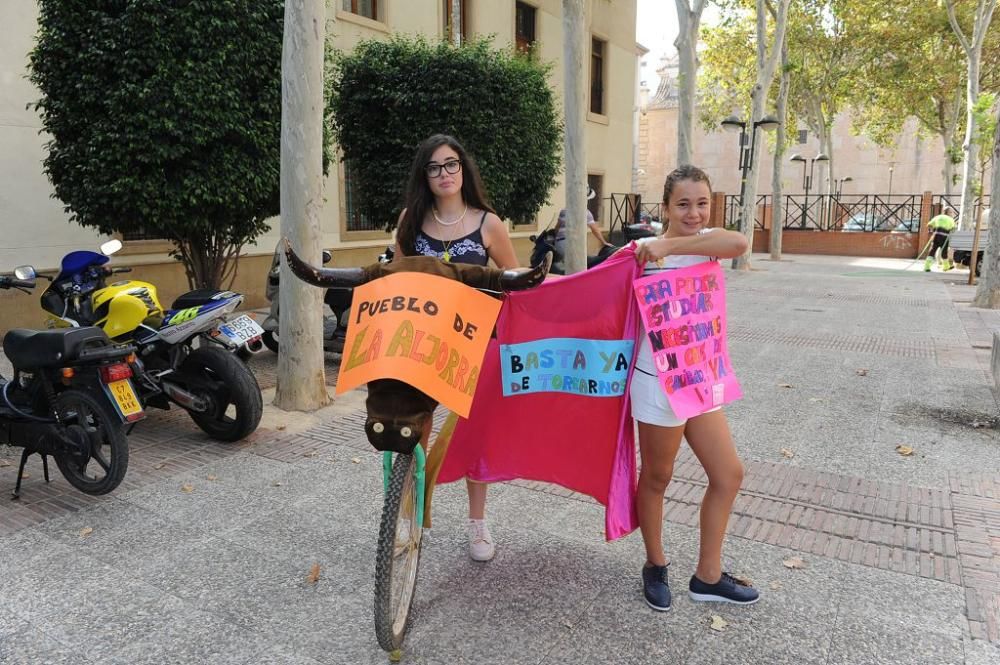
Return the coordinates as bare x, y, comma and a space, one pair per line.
378, 428
406, 432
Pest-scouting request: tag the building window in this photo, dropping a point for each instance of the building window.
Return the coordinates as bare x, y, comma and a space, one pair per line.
597, 58
803, 135
524, 27
596, 183
355, 220
463, 21
366, 8
144, 233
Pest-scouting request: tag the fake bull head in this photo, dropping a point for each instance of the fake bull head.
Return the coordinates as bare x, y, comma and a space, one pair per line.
398, 413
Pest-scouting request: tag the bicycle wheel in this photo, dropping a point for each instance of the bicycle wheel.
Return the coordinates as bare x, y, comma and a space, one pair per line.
398, 555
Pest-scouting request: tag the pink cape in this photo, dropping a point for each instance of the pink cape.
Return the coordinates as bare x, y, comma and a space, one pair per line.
583, 443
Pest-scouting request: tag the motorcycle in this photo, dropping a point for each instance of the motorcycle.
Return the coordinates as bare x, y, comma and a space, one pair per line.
338, 299
70, 397
545, 242
185, 354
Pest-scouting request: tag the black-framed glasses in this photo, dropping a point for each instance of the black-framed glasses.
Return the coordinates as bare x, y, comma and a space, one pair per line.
452, 166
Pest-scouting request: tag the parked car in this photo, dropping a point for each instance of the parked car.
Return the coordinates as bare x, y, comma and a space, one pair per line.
870, 222
859, 222
900, 226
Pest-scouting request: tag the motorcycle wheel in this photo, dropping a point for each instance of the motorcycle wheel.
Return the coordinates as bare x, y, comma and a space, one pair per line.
243, 353
93, 424
270, 340
335, 345
236, 404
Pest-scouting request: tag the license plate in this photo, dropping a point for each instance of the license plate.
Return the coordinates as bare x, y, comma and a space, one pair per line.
128, 402
240, 330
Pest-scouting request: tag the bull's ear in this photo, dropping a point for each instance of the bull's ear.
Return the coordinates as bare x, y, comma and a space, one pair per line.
521, 279
325, 277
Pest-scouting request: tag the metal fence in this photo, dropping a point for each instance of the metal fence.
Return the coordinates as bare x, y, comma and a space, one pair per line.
941, 202
861, 212
829, 212
733, 204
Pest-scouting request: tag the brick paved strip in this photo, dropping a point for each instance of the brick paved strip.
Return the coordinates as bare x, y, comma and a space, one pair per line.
892, 346
817, 296
977, 530
885, 525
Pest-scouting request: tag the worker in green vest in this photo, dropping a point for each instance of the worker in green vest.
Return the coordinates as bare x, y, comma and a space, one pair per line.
941, 226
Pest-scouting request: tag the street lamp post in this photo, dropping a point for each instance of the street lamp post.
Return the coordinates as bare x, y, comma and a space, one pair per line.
807, 178
735, 124
840, 185
839, 192
891, 168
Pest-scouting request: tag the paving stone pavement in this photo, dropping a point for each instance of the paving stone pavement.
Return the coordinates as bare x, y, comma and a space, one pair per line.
841, 360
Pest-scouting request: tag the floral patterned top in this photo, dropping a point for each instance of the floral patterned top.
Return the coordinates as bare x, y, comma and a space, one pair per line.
467, 249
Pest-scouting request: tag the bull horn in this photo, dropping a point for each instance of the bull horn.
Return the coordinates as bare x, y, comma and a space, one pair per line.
324, 277
519, 280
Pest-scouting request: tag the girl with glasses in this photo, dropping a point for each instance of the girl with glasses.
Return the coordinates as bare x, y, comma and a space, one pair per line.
447, 216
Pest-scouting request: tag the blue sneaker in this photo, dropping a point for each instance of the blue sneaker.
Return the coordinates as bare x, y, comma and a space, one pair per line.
654, 587
728, 589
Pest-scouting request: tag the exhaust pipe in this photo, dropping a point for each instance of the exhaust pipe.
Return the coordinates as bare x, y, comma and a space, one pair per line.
184, 398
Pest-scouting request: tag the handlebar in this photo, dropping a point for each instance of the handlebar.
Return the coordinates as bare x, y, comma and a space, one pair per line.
113, 271
11, 282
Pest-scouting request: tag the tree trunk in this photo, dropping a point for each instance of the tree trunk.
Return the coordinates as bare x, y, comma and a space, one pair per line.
973, 49
574, 100
688, 20
988, 289
301, 378
456, 22
824, 179
949, 166
767, 63
778, 203
950, 114
970, 146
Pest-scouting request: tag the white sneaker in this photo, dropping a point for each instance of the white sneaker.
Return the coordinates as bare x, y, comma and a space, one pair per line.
480, 541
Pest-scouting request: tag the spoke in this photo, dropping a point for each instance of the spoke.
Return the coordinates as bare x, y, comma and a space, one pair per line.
97, 455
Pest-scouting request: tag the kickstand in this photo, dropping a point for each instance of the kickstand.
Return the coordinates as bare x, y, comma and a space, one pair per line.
20, 473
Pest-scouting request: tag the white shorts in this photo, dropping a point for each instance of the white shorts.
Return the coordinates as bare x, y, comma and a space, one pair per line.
650, 404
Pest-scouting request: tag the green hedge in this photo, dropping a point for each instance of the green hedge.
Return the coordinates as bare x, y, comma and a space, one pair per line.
385, 97
165, 116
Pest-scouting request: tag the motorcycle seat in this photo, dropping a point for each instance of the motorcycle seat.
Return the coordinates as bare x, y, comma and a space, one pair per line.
200, 297
195, 298
39, 349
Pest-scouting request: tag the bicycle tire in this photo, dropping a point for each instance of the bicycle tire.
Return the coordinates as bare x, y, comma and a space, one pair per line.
397, 561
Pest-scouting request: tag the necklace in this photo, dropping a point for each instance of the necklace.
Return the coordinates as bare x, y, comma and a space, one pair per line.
446, 257
454, 221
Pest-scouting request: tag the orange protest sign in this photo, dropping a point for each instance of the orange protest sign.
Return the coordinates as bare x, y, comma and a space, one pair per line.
427, 331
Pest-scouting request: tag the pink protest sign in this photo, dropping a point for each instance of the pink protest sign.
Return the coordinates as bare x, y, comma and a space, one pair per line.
684, 311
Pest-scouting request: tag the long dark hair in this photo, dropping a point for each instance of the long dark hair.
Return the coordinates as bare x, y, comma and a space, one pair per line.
419, 198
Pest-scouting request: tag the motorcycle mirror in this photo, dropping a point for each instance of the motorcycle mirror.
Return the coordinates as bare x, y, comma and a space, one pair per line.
111, 246
327, 257
25, 273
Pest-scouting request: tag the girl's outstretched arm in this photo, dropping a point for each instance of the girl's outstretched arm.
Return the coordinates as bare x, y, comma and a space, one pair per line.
721, 243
